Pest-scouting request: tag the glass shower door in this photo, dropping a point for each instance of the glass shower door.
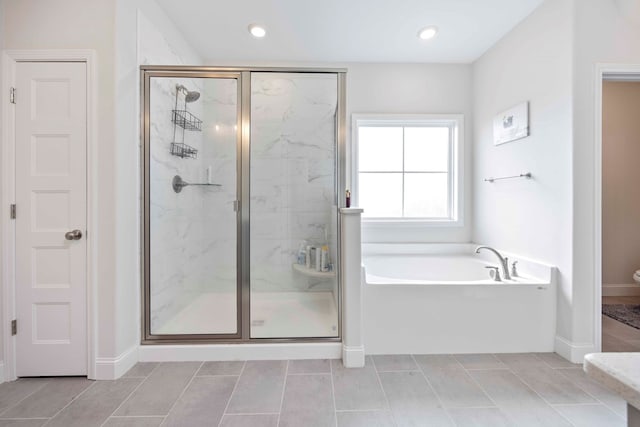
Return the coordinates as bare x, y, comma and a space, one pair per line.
293, 212
191, 192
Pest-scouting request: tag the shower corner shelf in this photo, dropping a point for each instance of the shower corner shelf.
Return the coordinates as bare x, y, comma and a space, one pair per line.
312, 272
186, 120
183, 150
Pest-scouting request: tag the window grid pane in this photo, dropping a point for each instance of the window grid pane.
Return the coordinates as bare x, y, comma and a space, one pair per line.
377, 186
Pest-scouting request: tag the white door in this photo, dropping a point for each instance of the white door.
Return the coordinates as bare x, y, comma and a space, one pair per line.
51, 141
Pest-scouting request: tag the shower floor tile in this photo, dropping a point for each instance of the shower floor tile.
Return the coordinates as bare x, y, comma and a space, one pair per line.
210, 313
273, 315
293, 314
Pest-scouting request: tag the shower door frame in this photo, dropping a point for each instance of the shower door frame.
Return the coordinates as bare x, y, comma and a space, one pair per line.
243, 77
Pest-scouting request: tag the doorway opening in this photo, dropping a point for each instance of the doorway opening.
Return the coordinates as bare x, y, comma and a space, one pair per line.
617, 215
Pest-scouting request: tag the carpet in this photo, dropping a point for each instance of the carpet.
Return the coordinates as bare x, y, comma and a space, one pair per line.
628, 314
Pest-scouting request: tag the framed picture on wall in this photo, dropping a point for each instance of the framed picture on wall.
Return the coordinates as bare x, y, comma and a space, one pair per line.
511, 124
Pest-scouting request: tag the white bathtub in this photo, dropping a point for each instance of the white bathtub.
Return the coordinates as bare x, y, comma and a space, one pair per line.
434, 298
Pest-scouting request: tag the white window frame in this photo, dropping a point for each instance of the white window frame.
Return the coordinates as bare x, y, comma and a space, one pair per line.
456, 166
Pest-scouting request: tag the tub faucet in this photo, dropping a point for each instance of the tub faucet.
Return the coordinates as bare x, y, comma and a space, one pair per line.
504, 262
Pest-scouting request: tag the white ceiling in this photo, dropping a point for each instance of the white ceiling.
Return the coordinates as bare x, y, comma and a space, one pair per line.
346, 30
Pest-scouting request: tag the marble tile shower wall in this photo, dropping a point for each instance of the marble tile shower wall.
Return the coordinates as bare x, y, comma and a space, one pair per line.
175, 220
219, 241
194, 230
293, 152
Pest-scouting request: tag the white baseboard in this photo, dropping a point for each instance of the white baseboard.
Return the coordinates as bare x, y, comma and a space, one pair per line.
353, 357
112, 368
221, 352
573, 352
620, 290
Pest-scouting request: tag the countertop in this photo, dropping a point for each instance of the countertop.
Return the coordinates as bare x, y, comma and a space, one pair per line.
620, 372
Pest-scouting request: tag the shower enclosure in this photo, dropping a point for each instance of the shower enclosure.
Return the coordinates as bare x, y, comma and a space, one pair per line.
242, 173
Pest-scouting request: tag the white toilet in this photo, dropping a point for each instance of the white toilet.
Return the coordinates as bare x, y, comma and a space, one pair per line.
636, 276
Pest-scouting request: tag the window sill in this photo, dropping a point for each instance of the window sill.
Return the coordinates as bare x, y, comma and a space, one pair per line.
408, 223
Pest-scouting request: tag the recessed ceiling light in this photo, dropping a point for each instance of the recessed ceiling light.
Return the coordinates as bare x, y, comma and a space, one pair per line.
428, 33
257, 31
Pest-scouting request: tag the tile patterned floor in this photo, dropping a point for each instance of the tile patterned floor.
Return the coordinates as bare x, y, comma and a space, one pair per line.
434, 390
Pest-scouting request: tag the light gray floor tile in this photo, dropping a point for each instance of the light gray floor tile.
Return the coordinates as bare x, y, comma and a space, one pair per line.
480, 417
203, 402
504, 388
307, 393
516, 400
544, 380
48, 400
309, 418
554, 360
14, 391
134, 422
357, 388
23, 423
141, 369
259, 388
157, 394
554, 388
412, 401
393, 362
480, 361
517, 361
604, 395
94, 406
221, 368
451, 382
313, 366
261, 420
591, 416
365, 419
305, 396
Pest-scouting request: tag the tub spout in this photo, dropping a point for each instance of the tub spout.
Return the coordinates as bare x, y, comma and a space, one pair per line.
504, 262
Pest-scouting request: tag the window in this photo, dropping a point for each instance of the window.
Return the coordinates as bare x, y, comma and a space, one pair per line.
408, 168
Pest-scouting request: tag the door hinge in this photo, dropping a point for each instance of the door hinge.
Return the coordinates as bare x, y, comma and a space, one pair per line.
12, 95
14, 327
12, 211
236, 205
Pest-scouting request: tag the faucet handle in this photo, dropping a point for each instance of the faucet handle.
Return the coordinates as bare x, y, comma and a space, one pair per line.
514, 270
494, 273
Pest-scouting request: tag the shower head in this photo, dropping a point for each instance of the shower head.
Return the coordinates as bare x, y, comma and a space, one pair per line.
189, 96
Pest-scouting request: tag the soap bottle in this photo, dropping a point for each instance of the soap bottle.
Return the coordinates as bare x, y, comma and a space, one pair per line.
318, 254
308, 256
302, 253
324, 259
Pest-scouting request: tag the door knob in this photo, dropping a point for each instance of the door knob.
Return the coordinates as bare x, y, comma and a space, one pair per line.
73, 235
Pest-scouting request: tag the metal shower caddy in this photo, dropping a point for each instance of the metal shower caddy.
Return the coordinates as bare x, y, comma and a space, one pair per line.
187, 121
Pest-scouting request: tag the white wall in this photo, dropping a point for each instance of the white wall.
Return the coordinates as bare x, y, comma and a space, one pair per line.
144, 34
531, 218
606, 31
415, 88
77, 24
110, 30
620, 178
